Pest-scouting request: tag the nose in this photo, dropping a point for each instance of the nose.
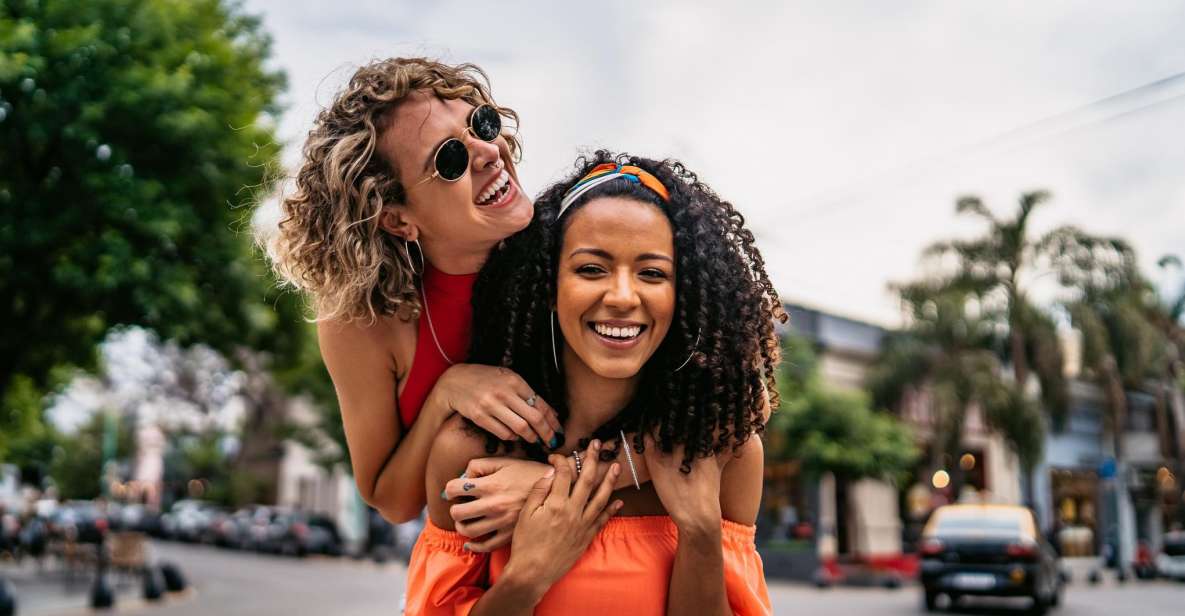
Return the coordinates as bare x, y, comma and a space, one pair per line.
484, 154
621, 294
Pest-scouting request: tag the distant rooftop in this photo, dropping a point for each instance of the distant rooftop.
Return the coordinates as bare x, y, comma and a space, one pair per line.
834, 332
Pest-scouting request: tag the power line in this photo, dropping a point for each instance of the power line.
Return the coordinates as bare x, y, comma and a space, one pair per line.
849, 198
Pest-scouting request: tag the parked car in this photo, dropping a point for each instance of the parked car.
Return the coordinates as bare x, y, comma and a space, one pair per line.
988, 550
261, 530
186, 520
81, 521
135, 517
1170, 562
233, 529
297, 533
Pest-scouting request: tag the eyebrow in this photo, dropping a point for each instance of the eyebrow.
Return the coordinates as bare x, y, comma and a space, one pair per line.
604, 254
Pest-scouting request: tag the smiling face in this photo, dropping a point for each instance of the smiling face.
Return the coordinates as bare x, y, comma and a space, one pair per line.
615, 291
484, 206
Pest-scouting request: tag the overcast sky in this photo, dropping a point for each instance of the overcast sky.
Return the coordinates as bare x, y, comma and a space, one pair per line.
843, 131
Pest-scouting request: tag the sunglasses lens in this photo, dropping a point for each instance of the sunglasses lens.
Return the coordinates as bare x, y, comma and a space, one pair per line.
486, 123
452, 159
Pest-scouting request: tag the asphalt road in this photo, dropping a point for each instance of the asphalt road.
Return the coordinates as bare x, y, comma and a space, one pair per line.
229, 583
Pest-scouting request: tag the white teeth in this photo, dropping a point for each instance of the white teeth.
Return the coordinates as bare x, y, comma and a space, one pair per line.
493, 189
626, 333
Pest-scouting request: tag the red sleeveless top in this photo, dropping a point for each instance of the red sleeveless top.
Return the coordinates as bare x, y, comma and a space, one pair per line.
446, 307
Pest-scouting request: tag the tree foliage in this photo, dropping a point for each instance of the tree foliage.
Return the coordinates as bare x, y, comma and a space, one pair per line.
130, 131
78, 463
1113, 306
833, 431
948, 351
992, 268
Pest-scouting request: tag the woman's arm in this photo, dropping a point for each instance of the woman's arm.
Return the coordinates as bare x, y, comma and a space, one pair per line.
388, 464
499, 487
697, 502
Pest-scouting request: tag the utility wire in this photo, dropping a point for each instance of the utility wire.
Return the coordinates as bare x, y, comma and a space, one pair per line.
849, 198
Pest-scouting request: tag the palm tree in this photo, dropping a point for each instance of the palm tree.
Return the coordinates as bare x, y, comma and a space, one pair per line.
1109, 305
948, 351
988, 274
1121, 345
994, 267
1168, 314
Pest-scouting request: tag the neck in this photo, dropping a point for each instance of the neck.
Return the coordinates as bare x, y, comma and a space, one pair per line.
593, 400
456, 257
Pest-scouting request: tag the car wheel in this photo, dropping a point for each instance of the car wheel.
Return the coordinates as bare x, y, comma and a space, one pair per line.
930, 598
1040, 606
1056, 599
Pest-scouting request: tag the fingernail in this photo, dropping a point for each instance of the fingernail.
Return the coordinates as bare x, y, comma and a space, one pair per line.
443, 495
554, 442
596, 444
464, 474
549, 473
467, 547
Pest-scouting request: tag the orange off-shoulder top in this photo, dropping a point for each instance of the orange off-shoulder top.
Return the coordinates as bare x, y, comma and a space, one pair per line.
625, 570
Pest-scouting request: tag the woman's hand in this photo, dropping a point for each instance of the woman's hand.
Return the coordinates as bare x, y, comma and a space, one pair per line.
693, 502
559, 520
499, 401
692, 499
499, 487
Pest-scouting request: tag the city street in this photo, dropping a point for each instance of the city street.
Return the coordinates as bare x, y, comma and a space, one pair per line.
227, 582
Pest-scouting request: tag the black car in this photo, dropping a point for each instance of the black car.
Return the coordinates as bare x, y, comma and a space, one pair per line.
988, 550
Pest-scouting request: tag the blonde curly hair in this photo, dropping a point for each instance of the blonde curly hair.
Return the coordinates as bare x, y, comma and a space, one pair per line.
329, 243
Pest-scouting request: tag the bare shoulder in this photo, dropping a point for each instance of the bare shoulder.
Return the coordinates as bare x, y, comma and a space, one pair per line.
388, 341
741, 482
455, 445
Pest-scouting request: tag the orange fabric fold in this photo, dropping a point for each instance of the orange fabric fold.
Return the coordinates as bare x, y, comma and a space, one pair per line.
625, 570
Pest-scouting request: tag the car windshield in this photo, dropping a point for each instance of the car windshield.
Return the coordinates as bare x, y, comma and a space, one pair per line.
1174, 548
977, 525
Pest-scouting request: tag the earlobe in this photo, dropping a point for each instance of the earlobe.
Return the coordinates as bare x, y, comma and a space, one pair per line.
394, 221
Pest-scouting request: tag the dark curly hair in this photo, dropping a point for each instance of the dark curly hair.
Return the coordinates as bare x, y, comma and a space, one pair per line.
723, 298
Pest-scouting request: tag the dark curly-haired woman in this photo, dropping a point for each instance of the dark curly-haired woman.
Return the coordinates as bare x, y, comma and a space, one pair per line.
634, 301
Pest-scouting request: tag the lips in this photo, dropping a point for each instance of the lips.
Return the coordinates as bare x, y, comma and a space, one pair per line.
496, 190
617, 334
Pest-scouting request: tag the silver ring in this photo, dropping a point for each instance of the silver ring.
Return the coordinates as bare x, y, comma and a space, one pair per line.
531, 400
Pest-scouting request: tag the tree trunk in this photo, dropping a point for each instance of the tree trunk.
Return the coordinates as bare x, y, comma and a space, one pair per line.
1116, 401
1020, 365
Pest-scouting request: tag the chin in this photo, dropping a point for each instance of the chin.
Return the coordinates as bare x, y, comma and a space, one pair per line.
526, 210
616, 369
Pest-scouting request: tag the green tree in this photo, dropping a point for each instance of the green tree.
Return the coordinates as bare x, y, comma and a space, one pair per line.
129, 132
77, 463
831, 431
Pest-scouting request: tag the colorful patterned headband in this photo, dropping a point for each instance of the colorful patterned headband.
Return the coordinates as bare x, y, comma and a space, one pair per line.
608, 172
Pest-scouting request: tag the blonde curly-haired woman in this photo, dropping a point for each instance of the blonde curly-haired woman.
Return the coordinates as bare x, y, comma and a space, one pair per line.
407, 182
